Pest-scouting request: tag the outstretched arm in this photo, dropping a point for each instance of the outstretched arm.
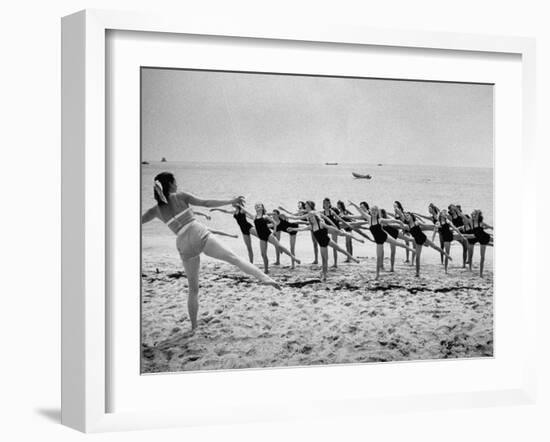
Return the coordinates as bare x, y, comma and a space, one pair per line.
229, 212
299, 229
364, 213
195, 201
208, 217
150, 215
422, 216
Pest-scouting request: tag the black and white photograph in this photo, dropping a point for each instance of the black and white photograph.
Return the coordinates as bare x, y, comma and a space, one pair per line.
299, 220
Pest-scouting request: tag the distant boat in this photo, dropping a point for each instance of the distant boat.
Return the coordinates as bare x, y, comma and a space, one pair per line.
331, 164
379, 164
163, 160
359, 175
144, 162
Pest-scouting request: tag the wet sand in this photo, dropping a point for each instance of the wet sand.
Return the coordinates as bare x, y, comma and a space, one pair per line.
349, 319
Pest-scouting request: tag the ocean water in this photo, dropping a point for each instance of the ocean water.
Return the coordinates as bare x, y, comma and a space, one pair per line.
285, 184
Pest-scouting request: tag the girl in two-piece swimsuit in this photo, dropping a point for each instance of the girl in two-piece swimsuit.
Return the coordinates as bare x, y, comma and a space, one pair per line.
416, 228
262, 223
192, 237
282, 224
321, 232
302, 211
241, 217
378, 228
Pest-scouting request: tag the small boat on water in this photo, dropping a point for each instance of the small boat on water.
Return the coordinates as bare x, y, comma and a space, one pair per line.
144, 162
331, 164
163, 160
362, 176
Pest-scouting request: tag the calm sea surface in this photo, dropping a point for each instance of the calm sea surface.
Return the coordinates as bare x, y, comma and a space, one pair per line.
285, 184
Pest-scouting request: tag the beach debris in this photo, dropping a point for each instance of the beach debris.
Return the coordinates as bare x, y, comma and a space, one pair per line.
300, 284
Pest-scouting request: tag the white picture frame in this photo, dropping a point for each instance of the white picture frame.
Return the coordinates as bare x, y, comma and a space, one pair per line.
85, 199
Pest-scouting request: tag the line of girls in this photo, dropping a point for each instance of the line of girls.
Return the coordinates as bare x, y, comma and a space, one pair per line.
399, 229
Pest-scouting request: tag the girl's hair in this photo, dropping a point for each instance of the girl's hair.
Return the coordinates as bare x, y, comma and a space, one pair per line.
310, 204
340, 204
374, 211
301, 205
383, 213
364, 203
263, 207
479, 216
162, 181
399, 205
327, 200
413, 217
276, 212
434, 208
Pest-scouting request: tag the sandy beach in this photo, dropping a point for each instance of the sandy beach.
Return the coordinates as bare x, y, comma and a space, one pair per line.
350, 319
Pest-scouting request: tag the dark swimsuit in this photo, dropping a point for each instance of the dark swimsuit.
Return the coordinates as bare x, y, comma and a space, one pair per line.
332, 217
243, 223
321, 234
458, 222
380, 236
418, 235
446, 233
392, 231
481, 236
262, 229
284, 225
348, 220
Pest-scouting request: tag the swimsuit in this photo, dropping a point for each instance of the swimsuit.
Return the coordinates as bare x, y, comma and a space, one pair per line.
262, 229
284, 225
458, 222
321, 236
346, 219
192, 235
481, 236
380, 236
332, 216
243, 222
392, 231
418, 235
446, 233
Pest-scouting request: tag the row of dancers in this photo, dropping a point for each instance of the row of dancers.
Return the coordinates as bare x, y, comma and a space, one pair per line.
399, 229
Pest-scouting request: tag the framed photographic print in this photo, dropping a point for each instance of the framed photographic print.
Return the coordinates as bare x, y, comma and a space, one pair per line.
289, 222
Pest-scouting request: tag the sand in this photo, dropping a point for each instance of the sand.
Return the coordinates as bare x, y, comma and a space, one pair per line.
349, 319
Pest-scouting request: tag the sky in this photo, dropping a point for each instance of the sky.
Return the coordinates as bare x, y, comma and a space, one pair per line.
252, 117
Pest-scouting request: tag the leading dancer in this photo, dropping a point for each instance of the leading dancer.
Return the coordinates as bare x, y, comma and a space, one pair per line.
193, 238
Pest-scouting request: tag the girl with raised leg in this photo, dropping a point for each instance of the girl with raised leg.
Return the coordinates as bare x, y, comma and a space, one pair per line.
416, 228
301, 211
262, 223
321, 232
241, 217
193, 238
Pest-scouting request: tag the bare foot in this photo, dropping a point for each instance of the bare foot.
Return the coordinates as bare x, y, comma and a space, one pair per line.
355, 260
297, 261
315, 262
277, 263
